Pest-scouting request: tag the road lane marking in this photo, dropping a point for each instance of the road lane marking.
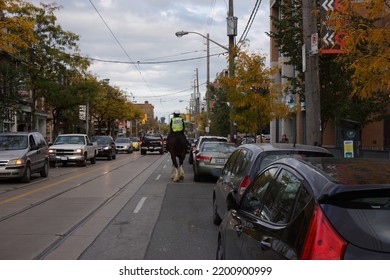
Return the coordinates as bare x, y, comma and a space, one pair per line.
158, 177
139, 205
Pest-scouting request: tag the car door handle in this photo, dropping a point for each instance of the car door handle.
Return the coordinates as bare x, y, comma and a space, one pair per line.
266, 243
239, 229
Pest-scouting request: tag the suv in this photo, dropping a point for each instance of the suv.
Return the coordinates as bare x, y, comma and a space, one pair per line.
199, 143
22, 154
106, 146
245, 163
152, 143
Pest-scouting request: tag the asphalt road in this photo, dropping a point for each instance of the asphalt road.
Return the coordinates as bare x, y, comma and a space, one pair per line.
162, 221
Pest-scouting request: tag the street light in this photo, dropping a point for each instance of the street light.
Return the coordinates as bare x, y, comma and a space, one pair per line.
180, 34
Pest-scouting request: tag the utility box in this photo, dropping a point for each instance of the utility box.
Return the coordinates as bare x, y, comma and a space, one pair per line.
232, 26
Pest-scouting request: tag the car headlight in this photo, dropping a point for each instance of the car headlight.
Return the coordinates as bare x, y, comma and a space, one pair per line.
16, 162
51, 151
79, 151
106, 147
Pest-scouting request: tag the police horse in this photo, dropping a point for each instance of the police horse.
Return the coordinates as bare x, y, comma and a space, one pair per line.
177, 147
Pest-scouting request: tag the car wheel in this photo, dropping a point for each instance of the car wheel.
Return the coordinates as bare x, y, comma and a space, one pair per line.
190, 159
27, 175
219, 255
45, 171
196, 176
143, 152
93, 159
52, 164
109, 157
114, 156
216, 218
84, 162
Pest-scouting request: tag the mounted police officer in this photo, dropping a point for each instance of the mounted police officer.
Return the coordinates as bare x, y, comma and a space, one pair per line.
177, 145
177, 123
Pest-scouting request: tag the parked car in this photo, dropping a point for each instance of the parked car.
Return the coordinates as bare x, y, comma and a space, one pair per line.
23, 154
106, 146
124, 144
200, 141
135, 141
245, 163
152, 143
211, 156
315, 208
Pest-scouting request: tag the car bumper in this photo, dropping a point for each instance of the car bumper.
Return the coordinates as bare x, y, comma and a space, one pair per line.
68, 158
14, 172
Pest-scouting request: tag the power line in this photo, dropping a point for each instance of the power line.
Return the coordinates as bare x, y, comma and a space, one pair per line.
250, 22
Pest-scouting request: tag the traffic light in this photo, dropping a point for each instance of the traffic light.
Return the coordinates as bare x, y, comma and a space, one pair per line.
144, 119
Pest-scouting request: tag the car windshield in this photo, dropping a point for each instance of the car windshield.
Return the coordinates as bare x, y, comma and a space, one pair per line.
69, 140
122, 140
102, 140
13, 142
219, 147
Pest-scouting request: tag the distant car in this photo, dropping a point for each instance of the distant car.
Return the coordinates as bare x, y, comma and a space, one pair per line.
152, 143
190, 144
248, 139
124, 144
106, 146
23, 154
211, 156
200, 141
135, 141
313, 208
245, 163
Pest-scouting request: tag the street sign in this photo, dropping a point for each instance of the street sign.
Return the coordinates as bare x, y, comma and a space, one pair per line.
331, 41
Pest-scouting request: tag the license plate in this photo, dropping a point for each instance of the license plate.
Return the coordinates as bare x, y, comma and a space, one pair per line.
219, 160
64, 158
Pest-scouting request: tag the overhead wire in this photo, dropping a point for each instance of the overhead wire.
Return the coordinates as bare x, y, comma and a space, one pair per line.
249, 23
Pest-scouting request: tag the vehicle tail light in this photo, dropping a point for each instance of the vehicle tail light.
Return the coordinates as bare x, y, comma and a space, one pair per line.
244, 184
322, 241
203, 158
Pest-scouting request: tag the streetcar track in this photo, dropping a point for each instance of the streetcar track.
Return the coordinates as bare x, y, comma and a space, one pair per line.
63, 237
68, 233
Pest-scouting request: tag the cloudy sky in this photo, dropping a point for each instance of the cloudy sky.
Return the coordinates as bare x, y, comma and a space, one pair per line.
133, 43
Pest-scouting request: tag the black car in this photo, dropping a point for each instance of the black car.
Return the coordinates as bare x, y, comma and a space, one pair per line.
152, 143
245, 163
106, 146
313, 208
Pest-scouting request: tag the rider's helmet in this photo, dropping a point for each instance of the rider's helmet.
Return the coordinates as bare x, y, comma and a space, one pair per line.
176, 113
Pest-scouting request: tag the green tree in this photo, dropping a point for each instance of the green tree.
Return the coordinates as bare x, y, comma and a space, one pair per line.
52, 62
220, 112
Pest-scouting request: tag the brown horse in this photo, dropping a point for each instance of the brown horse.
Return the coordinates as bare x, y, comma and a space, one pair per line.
177, 147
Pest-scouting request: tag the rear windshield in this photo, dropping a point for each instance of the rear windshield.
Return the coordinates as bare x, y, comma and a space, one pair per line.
362, 217
270, 157
13, 142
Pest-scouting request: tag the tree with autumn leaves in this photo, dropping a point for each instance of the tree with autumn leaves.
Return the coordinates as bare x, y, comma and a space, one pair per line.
253, 99
366, 45
41, 58
354, 84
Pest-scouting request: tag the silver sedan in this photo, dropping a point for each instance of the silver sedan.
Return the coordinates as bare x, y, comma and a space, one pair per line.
210, 157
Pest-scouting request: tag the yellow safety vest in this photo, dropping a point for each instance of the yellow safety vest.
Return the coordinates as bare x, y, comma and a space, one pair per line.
177, 124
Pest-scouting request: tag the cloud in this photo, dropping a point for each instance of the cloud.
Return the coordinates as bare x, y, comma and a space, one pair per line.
144, 31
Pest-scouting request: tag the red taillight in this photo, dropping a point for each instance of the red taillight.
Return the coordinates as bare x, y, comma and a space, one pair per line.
322, 241
244, 184
203, 158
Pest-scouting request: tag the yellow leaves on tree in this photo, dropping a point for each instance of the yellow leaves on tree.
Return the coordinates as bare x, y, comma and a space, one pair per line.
253, 98
16, 29
367, 45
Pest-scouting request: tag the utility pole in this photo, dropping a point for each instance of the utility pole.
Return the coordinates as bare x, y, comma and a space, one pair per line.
232, 33
312, 81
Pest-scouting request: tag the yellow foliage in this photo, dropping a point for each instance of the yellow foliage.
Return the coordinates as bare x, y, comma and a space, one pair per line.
16, 28
367, 25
